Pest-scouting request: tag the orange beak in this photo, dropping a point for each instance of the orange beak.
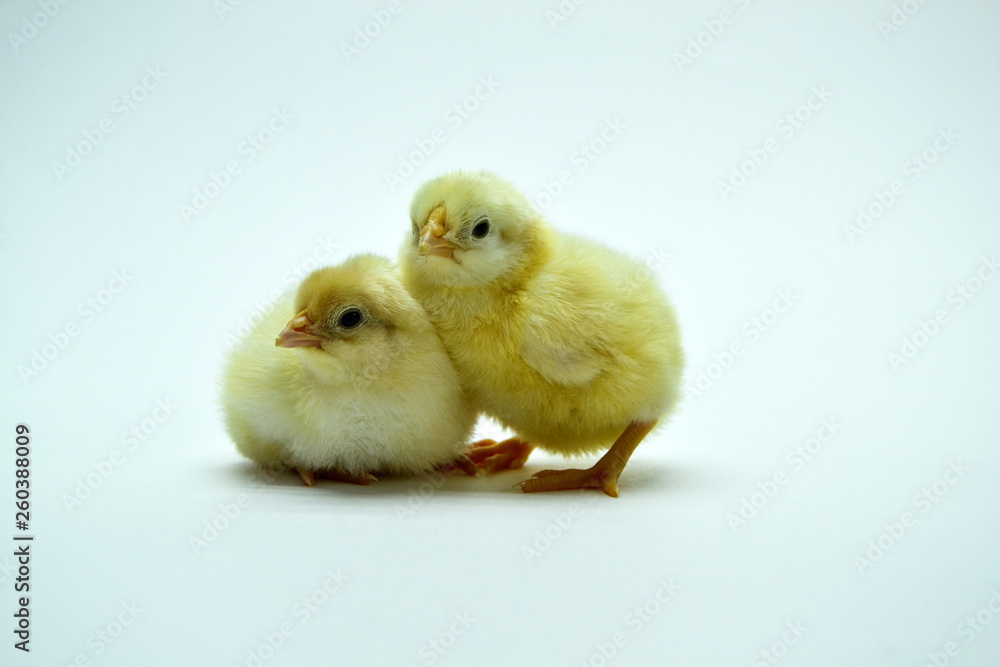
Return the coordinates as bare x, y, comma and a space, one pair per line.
432, 241
297, 333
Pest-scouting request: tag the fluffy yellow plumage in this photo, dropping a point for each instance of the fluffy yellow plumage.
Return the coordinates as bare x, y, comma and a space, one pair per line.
569, 343
351, 399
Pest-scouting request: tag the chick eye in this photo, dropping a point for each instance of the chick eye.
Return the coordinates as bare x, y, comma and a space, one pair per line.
481, 229
350, 318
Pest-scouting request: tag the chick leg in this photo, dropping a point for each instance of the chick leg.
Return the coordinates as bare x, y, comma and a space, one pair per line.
309, 476
603, 475
491, 456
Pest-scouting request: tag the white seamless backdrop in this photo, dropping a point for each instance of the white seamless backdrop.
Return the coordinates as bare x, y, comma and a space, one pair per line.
815, 185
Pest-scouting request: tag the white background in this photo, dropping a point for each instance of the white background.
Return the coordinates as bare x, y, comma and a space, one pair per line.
318, 191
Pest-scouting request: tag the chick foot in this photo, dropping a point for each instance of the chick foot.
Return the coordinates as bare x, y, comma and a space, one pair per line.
491, 456
461, 464
603, 475
574, 478
309, 477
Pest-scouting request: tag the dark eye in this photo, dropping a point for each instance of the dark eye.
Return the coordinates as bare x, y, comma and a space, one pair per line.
350, 318
481, 229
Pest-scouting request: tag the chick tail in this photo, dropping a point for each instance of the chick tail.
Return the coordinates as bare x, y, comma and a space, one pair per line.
603, 475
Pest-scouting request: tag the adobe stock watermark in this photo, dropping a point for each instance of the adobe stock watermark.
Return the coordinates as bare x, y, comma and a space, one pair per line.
554, 531
585, 154
634, 623
794, 630
713, 28
225, 7
786, 127
454, 117
899, 16
648, 270
303, 610
33, 23
434, 648
322, 254
796, 460
913, 168
418, 496
105, 636
248, 150
121, 108
131, 440
751, 331
922, 502
957, 298
365, 34
562, 12
970, 628
88, 310
213, 527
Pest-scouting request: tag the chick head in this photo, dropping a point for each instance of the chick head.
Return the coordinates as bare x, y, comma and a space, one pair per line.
469, 228
341, 308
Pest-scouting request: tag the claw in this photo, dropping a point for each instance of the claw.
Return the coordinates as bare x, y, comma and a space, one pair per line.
308, 476
364, 479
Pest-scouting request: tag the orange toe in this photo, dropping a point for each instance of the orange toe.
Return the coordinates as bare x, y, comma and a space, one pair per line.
461, 464
338, 476
565, 480
491, 456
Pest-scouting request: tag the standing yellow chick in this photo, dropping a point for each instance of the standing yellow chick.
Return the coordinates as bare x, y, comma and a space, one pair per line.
367, 388
567, 342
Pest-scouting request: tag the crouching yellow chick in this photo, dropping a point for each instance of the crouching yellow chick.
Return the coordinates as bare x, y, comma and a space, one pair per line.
357, 381
567, 342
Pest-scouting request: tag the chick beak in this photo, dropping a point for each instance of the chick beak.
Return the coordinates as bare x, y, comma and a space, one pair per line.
432, 241
297, 333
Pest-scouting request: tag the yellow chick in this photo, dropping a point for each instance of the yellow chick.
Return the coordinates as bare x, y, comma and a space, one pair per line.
367, 387
570, 344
